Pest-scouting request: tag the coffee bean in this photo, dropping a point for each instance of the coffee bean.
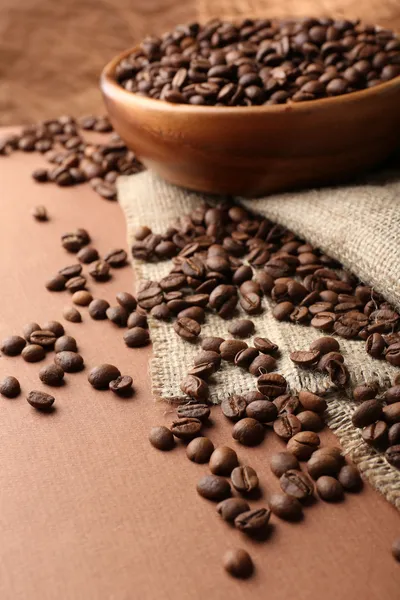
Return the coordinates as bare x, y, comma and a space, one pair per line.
213, 487
127, 301
117, 315
56, 283
392, 354
304, 358
33, 353
283, 310
71, 271
263, 411
231, 508
392, 455
287, 404
40, 212
303, 444
376, 434
396, 549
238, 563
350, 479
310, 421
195, 387
100, 376
312, 402
73, 242
324, 345
137, 319
365, 392
51, 375
251, 303
391, 413
224, 299
40, 400
30, 328
188, 329
262, 364
324, 464
223, 460
244, 479
55, 327
136, 337
161, 438
233, 407
324, 321
253, 521
208, 356
150, 296
76, 283
116, 258
271, 385
248, 432
229, 349
241, 328
375, 345
367, 413
287, 426
212, 343
265, 345
244, 359
331, 451
296, 484
141, 232
194, 313
82, 298
329, 489
282, 462
12, 345
394, 434
253, 397
285, 507
87, 255
72, 314
70, 362
199, 450
392, 394
122, 385
65, 343
197, 411
99, 270
10, 387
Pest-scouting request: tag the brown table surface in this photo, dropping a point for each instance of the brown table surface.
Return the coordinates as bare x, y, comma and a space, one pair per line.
88, 509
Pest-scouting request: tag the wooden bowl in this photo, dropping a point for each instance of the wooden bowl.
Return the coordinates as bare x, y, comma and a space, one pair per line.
257, 150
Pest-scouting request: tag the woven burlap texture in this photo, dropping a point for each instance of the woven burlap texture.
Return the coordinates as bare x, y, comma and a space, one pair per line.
146, 199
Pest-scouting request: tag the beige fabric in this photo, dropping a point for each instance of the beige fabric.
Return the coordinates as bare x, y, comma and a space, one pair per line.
148, 200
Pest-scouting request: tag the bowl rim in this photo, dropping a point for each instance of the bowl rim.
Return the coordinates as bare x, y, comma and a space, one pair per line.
111, 87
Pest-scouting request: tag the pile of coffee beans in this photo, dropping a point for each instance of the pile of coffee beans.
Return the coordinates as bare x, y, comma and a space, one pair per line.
74, 160
261, 61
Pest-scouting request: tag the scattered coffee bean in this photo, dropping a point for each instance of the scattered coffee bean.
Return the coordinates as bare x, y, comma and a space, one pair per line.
262, 410
303, 444
324, 464
367, 413
285, 507
244, 479
214, 487
311, 401
287, 404
137, 319
264, 345
199, 450
310, 421
82, 298
127, 301
65, 343
229, 349
241, 328
99, 270
248, 432
331, 451
76, 283
13, 345
392, 395
234, 407
70, 362
329, 489
296, 484
161, 438
87, 255
40, 400
51, 375
238, 563
43, 337
10, 387
121, 385
394, 434
364, 392
136, 337
223, 460
40, 213
188, 329
71, 314
392, 455
282, 462
261, 364
282, 311
74, 241
195, 387
324, 345
253, 521
117, 315
186, 428
271, 385
376, 434
196, 411
71, 271
350, 479
212, 343
98, 309
33, 353
287, 426
230, 508
100, 376
116, 258
305, 358
28, 329
54, 326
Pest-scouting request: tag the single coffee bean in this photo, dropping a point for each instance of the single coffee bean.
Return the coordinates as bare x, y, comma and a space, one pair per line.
296, 484
365, 392
263, 411
285, 507
396, 549
116, 258
234, 407
375, 345
331, 451
251, 303
76, 283
195, 387
70, 313
150, 296
71, 271
136, 337
350, 479
117, 315
203, 370
392, 455
244, 358
229, 349
265, 345
394, 434
324, 464
10, 387
161, 438
231, 508
338, 373
238, 563
141, 232
287, 404
253, 520
213, 487
195, 313
241, 328
99, 270
100, 376
262, 364
127, 301
28, 329
287, 426
282, 311
70, 362
199, 450
212, 343
208, 356
51, 375
392, 395
39, 212
121, 385
376, 434
137, 319
40, 400
13, 345
186, 428
196, 411
324, 345
391, 413
282, 462
223, 460
44, 337
54, 326
367, 413
248, 432
310, 421
392, 354
56, 283
87, 255
188, 329
73, 242
324, 361
303, 444
82, 298
33, 353
253, 397
329, 489
65, 343
305, 358
311, 401
244, 479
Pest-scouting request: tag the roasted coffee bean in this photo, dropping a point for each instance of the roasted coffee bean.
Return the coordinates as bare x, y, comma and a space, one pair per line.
231, 508
324, 464
44, 337
391, 413
117, 315
394, 434
149, 296
100, 376
51, 375
76, 283
251, 303
350, 479
376, 434
248, 432
303, 444
392, 354
10, 387
127, 301
233, 407
56, 283
82, 298
223, 460
324, 345
121, 385
244, 479
199, 450
375, 345
287, 404
392, 455
71, 271
195, 313
137, 319
331, 451
263, 411
392, 395
116, 258
285, 507
296, 484
87, 255
310, 421
40, 400
244, 359
283, 310
99, 270
238, 563
367, 413
28, 329
203, 370
338, 373
396, 549
136, 337
329, 489
12, 345
241, 328
206, 357
253, 520
73, 242
70, 362
161, 438
253, 397
213, 487
197, 411
312, 402
305, 358
195, 387
365, 392
33, 353
282, 462
262, 364
141, 232
39, 212
271, 385
324, 361
265, 345
229, 349
287, 426
65, 343
186, 328
54, 326
70, 313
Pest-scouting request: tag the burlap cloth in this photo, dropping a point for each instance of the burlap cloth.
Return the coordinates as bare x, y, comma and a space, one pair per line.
359, 225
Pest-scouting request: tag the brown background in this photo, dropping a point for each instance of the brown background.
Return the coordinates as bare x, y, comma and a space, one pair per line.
51, 52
